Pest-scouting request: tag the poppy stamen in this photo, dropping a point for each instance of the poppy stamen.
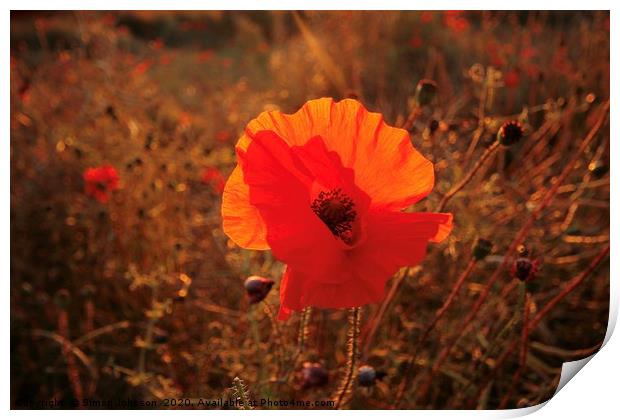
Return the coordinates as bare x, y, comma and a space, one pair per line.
337, 211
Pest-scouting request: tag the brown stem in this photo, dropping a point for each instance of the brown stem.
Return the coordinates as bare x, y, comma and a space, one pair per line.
404, 385
545, 202
413, 115
570, 286
458, 187
72, 370
384, 306
346, 386
522, 354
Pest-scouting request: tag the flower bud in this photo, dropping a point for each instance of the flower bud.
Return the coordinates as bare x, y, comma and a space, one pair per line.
366, 376
482, 248
88, 291
510, 133
522, 268
425, 92
257, 288
313, 375
62, 298
598, 168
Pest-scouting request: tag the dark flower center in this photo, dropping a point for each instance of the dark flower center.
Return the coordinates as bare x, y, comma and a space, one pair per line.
337, 211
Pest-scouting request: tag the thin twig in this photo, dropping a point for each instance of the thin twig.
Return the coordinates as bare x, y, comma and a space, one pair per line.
458, 187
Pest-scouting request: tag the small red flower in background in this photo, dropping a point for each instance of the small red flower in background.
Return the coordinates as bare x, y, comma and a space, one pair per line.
426, 16
416, 41
454, 20
206, 55
100, 182
222, 136
141, 68
511, 79
324, 188
214, 178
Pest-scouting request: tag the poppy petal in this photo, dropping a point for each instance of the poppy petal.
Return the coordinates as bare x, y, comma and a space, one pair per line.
279, 188
394, 240
364, 143
242, 221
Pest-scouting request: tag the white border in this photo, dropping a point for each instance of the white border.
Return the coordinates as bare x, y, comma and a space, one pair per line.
594, 394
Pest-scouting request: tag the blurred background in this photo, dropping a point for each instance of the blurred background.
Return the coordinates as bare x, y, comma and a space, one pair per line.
123, 285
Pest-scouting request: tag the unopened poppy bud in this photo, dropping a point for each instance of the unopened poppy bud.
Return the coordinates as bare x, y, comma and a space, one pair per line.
313, 375
425, 92
598, 168
366, 376
510, 133
88, 291
522, 268
62, 298
482, 248
257, 288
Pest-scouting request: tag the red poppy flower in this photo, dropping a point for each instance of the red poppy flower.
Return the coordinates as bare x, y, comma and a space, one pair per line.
100, 181
324, 189
213, 177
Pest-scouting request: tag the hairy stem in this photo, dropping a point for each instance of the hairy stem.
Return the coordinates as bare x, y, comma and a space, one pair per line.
242, 393
346, 387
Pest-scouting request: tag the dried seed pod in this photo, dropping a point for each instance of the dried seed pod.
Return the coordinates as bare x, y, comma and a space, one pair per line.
62, 298
524, 268
510, 133
425, 92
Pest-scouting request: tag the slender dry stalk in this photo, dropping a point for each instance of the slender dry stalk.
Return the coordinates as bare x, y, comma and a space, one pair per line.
568, 288
72, 370
522, 354
545, 202
345, 390
458, 187
277, 334
412, 117
376, 321
404, 385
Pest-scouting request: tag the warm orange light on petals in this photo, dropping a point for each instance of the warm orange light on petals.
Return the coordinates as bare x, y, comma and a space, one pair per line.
324, 189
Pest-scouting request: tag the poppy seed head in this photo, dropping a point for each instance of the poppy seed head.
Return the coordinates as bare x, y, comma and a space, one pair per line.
523, 268
425, 92
510, 133
62, 298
